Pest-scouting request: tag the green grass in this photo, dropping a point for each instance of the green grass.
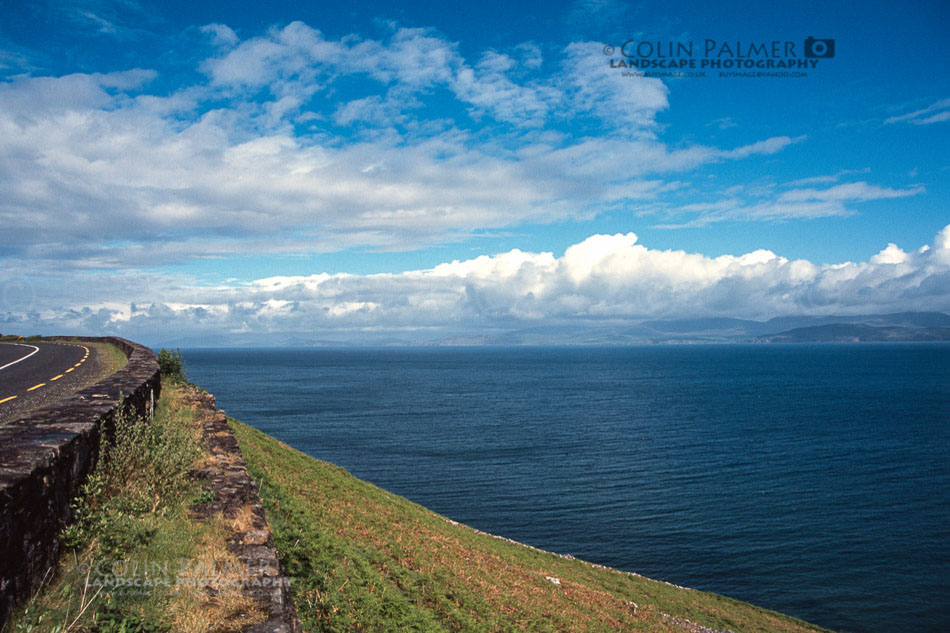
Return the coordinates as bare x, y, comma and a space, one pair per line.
111, 360
363, 559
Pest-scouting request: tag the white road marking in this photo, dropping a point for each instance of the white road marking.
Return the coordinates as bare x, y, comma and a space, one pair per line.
35, 350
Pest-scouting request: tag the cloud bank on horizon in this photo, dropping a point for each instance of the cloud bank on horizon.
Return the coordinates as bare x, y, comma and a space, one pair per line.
126, 197
606, 279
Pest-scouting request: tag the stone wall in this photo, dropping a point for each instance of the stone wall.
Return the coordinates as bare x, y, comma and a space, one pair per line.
252, 542
45, 458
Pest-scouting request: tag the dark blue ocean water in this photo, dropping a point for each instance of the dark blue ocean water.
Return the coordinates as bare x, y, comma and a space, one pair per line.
814, 480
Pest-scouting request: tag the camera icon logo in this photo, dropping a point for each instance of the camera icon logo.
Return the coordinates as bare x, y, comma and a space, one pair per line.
819, 48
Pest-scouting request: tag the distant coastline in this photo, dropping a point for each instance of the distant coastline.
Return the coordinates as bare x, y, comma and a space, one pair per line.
864, 328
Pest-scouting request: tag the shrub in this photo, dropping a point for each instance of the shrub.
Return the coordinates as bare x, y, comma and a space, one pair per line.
140, 470
172, 365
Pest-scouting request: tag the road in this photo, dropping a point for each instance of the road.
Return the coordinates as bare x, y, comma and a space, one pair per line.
34, 374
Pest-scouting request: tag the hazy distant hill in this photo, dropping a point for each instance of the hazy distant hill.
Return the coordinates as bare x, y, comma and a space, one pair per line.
711, 325
778, 325
857, 332
901, 326
899, 319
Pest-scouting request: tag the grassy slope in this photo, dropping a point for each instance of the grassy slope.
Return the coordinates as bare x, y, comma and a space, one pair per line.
363, 559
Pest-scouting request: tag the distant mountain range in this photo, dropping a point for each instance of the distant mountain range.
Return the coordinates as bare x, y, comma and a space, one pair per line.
901, 326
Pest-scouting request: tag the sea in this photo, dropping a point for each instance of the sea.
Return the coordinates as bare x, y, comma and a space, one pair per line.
809, 479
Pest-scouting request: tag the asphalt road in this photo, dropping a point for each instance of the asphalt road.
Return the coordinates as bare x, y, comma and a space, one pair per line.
34, 374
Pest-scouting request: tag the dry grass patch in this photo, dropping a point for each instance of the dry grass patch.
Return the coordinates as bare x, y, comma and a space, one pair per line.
209, 594
244, 520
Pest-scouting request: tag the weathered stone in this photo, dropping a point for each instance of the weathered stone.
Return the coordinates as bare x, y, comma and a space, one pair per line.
237, 499
256, 537
45, 457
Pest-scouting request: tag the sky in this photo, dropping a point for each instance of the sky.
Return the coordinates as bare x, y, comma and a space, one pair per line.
408, 171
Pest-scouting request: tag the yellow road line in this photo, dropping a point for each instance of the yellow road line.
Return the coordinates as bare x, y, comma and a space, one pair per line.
43, 384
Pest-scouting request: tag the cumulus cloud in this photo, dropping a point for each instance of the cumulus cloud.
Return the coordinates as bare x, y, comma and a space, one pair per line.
603, 279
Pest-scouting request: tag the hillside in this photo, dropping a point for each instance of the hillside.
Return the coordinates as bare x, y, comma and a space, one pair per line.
859, 333
363, 559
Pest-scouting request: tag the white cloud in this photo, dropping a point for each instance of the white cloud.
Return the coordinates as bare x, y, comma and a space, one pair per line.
826, 179
103, 25
221, 34
631, 103
488, 88
530, 55
857, 191
891, 255
605, 278
96, 172
374, 110
797, 203
98, 176
766, 147
938, 112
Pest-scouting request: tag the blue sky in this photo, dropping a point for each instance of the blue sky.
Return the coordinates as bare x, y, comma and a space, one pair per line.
424, 169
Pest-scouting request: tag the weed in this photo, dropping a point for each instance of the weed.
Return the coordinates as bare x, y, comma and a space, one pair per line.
205, 496
144, 466
112, 619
